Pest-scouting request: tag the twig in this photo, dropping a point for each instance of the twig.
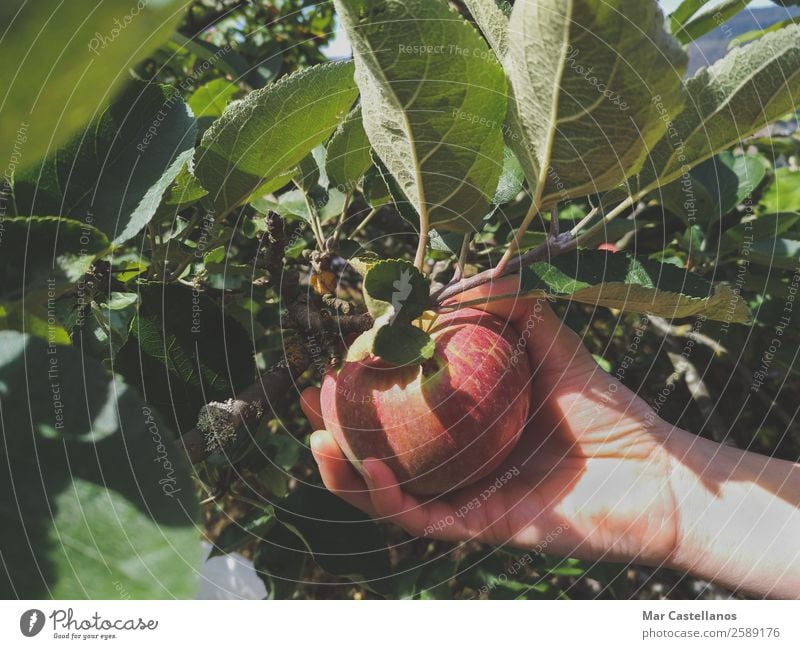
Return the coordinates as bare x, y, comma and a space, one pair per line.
462, 258
686, 332
245, 410
364, 223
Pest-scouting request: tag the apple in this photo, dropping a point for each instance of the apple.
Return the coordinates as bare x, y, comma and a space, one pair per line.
441, 425
610, 247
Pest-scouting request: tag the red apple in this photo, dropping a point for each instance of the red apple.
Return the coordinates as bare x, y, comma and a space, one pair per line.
441, 425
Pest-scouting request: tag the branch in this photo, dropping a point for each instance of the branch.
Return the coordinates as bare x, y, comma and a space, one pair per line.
245, 410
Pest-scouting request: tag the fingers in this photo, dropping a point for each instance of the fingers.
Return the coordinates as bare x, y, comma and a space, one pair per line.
312, 409
338, 475
389, 501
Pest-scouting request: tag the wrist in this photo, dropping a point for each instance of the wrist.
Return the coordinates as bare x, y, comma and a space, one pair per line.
737, 514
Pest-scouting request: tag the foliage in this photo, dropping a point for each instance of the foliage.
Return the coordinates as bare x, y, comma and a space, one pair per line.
215, 210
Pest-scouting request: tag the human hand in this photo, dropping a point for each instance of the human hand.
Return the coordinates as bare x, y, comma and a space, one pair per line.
590, 476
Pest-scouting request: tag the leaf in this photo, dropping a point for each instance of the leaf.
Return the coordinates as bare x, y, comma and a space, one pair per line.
184, 191
511, 180
114, 175
433, 105
684, 11
394, 287
311, 174
766, 226
279, 561
402, 344
45, 254
752, 35
740, 94
493, 23
348, 153
582, 116
623, 282
709, 20
363, 262
210, 100
777, 253
342, 539
108, 326
783, 194
713, 188
69, 59
271, 130
97, 502
184, 351
239, 533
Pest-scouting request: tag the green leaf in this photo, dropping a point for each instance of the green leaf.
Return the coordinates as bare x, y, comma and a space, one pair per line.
184, 351
96, 501
240, 532
114, 175
342, 539
752, 35
210, 99
433, 105
69, 59
402, 344
783, 194
709, 20
45, 254
623, 282
583, 80
394, 287
684, 12
492, 19
108, 327
713, 188
311, 174
766, 226
279, 562
777, 253
272, 130
511, 180
348, 152
740, 94
184, 191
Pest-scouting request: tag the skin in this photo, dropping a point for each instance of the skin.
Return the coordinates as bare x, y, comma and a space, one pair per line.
597, 475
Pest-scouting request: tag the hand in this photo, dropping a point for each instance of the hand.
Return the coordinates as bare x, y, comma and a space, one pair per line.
590, 476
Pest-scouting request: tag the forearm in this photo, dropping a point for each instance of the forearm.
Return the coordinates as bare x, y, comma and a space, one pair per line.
738, 516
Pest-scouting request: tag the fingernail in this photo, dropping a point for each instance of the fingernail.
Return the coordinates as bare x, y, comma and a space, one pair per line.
316, 440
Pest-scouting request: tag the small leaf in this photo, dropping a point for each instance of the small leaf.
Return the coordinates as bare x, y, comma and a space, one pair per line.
272, 130
766, 226
210, 99
783, 194
363, 262
394, 287
511, 180
403, 344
